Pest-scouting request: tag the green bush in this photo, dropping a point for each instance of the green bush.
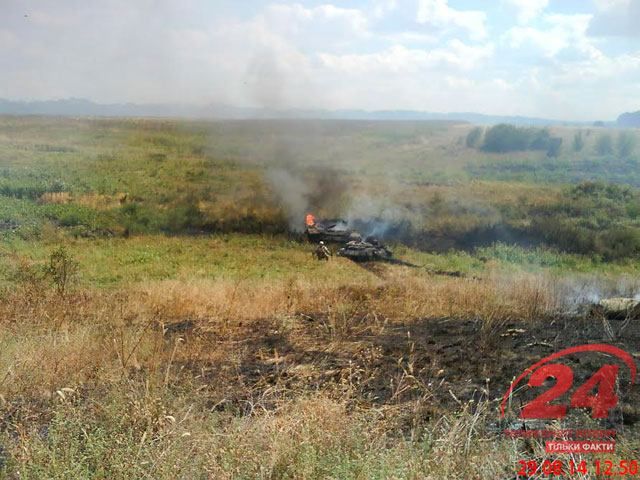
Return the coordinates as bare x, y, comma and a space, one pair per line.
604, 145
473, 137
185, 216
599, 191
134, 218
62, 269
505, 138
619, 242
594, 218
554, 147
626, 144
539, 139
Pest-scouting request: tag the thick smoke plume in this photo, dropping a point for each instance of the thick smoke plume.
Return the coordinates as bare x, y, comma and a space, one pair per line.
321, 192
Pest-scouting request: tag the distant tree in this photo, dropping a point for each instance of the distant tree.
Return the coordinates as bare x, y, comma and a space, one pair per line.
555, 146
604, 145
540, 139
578, 142
631, 119
626, 144
473, 137
506, 138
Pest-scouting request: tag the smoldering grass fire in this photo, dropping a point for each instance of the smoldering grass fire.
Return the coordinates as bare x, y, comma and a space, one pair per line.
578, 293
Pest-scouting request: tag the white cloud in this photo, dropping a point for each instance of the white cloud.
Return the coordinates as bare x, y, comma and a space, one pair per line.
438, 14
562, 32
410, 37
400, 59
578, 77
328, 21
459, 83
528, 10
382, 7
616, 18
549, 43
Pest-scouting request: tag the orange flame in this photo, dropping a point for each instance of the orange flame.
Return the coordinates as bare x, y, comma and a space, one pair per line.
310, 220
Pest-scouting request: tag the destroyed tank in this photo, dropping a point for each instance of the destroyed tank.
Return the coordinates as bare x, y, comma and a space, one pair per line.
366, 250
329, 230
616, 308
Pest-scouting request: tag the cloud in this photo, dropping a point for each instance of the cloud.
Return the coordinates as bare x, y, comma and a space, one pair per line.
528, 10
371, 54
409, 37
8, 40
383, 7
616, 18
296, 20
400, 59
563, 70
560, 32
438, 14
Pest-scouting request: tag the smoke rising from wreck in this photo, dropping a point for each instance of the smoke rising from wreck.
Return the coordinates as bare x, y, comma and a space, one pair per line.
373, 217
321, 192
292, 194
325, 194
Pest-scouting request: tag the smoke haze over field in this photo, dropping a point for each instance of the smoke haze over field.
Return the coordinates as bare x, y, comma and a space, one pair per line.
548, 59
292, 193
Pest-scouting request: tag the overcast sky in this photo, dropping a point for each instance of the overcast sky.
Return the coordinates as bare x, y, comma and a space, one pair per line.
565, 59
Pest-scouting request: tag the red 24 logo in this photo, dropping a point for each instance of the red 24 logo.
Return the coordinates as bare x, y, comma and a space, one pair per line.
604, 380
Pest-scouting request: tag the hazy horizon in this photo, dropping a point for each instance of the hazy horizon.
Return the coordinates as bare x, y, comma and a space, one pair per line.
221, 111
567, 60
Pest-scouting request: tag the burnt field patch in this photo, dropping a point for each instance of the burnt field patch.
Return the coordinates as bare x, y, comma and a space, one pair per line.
434, 365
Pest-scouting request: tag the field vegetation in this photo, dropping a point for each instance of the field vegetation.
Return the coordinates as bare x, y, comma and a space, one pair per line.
162, 317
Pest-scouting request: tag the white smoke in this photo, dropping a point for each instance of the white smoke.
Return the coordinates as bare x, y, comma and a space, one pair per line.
293, 194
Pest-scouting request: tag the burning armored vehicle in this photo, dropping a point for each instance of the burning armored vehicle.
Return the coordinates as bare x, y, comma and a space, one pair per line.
366, 250
329, 230
353, 246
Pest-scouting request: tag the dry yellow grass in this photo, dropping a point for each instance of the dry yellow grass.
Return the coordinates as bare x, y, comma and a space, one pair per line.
56, 197
212, 378
51, 342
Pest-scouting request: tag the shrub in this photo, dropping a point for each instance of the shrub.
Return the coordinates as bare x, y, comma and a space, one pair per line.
68, 215
540, 139
578, 142
626, 144
604, 145
62, 269
134, 218
554, 147
596, 190
506, 138
473, 137
619, 242
185, 216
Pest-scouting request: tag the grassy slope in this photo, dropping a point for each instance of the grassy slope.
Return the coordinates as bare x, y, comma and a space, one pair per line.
94, 388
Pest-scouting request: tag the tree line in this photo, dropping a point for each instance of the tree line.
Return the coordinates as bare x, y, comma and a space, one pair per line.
505, 138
